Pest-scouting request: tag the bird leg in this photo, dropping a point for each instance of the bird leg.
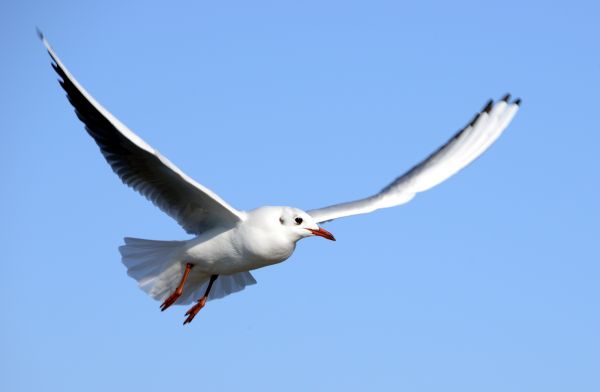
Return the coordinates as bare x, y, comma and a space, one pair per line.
201, 302
177, 293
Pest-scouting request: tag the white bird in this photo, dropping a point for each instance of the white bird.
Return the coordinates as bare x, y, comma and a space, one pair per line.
229, 243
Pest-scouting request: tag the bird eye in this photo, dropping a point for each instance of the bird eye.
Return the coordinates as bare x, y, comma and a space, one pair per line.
298, 220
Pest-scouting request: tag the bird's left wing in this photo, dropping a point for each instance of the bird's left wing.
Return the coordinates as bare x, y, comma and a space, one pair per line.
195, 207
463, 148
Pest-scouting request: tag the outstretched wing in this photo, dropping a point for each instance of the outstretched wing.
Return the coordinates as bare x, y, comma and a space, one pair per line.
462, 149
195, 207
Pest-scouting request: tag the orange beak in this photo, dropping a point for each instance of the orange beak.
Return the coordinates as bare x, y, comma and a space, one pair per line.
322, 233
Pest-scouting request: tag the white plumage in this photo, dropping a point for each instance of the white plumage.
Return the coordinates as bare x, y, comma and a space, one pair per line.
462, 149
228, 243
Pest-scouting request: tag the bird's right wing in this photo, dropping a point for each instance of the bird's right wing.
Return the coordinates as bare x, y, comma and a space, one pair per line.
463, 148
141, 167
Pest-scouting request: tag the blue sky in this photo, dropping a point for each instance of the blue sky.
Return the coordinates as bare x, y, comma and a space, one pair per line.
488, 282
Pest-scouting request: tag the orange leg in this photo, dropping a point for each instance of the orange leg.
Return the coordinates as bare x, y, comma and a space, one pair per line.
177, 293
201, 302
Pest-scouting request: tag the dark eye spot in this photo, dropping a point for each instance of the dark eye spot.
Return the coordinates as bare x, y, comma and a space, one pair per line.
298, 220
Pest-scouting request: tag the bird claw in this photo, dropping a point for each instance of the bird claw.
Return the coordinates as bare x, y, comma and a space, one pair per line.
177, 293
193, 311
169, 301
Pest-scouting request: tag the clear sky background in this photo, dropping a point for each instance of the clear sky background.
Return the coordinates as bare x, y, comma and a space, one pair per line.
488, 282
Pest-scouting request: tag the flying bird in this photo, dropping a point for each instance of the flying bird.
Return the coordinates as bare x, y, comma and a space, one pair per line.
229, 243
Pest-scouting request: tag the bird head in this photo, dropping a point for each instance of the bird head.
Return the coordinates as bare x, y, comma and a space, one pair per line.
302, 224
292, 222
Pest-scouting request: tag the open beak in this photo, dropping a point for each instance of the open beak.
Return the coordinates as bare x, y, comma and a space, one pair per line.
322, 233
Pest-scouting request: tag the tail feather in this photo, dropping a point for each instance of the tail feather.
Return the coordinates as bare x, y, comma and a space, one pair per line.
157, 267
146, 260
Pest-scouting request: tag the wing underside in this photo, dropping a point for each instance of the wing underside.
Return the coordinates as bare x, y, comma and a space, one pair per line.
195, 207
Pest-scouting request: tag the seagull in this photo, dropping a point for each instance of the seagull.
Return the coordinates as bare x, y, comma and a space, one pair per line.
229, 243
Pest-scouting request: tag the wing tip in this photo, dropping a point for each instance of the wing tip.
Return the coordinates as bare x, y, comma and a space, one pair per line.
506, 98
488, 106
474, 120
42, 38
39, 33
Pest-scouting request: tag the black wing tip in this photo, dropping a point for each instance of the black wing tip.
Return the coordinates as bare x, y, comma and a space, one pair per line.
474, 120
488, 106
506, 98
42, 38
39, 33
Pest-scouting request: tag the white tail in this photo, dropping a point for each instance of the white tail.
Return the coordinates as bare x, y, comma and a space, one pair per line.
157, 267
146, 260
